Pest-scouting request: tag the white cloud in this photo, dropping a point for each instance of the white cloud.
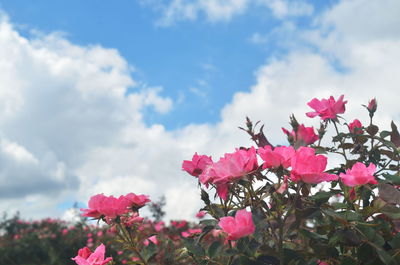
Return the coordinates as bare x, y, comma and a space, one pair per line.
224, 10
285, 8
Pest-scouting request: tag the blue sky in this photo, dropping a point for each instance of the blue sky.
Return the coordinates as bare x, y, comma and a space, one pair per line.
199, 64
110, 96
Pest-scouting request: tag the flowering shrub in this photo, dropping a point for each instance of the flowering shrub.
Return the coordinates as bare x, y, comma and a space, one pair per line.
317, 200
282, 204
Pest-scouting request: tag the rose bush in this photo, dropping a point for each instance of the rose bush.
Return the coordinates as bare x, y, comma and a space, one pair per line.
330, 196
283, 204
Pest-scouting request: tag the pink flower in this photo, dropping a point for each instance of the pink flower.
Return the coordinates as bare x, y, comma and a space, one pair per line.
309, 168
191, 231
327, 108
159, 226
304, 135
132, 219
179, 224
137, 201
85, 257
355, 127
239, 226
100, 205
153, 239
359, 174
233, 166
200, 214
64, 232
322, 262
222, 190
280, 156
197, 165
372, 105
84, 252
283, 186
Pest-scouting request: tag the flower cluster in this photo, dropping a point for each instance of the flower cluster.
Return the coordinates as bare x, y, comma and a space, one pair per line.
277, 204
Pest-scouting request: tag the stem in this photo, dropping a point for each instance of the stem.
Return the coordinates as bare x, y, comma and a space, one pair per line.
129, 240
341, 141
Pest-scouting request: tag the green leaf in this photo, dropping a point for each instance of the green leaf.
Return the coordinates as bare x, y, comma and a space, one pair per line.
231, 252
384, 134
193, 248
289, 254
347, 261
313, 235
216, 210
209, 222
389, 193
321, 197
204, 197
392, 211
214, 249
395, 242
394, 135
149, 251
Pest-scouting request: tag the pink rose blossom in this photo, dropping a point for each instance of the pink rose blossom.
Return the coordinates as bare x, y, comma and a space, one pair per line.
153, 239
355, 127
191, 231
132, 219
304, 135
179, 224
159, 226
234, 165
200, 214
359, 174
64, 232
109, 206
327, 108
85, 257
84, 252
239, 226
137, 201
309, 168
280, 156
197, 165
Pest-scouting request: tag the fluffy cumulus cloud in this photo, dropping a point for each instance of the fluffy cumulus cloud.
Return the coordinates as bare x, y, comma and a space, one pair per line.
223, 10
70, 128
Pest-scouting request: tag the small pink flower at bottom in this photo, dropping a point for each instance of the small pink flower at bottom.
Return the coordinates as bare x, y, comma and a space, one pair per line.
359, 174
239, 226
85, 257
